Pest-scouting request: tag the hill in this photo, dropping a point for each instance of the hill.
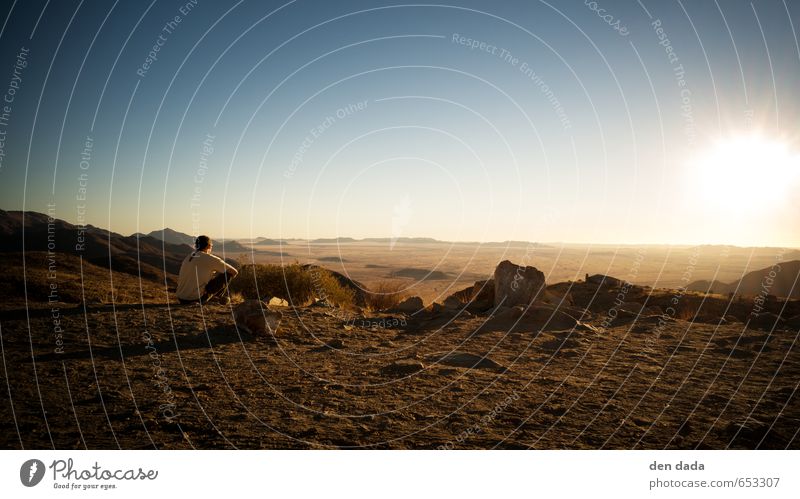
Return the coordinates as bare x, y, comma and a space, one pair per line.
783, 282
143, 256
328, 240
172, 236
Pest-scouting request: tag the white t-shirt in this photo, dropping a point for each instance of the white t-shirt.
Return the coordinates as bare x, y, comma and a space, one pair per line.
196, 270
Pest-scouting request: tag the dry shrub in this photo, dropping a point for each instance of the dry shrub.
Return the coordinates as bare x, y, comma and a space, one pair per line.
327, 288
236, 298
293, 283
385, 295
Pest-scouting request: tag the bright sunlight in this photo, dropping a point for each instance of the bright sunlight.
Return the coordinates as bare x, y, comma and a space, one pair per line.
745, 173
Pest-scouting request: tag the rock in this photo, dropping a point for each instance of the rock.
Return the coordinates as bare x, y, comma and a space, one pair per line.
550, 318
463, 296
277, 302
254, 317
436, 308
453, 303
604, 280
792, 323
402, 368
766, 321
709, 319
409, 305
483, 291
652, 310
630, 306
466, 360
480, 307
336, 343
508, 313
516, 285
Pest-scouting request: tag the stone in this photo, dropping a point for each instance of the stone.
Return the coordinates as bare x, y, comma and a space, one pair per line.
466, 360
793, 322
766, 321
277, 302
508, 313
604, 280
630, 306
255, 317
652, 310
409, 305
516, 285
483, 291
453, 303
402, 368
548, 317
436, 308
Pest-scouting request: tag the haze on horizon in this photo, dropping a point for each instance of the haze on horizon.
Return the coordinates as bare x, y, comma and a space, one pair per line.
665, 123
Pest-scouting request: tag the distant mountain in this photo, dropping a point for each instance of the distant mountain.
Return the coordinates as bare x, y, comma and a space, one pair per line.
230, 247
785, 282
144, 255
334, 240
173, 236
412, 240
503, 244
263, 241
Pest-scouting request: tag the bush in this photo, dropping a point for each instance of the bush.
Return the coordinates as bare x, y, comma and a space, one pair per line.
293, 283
385, 295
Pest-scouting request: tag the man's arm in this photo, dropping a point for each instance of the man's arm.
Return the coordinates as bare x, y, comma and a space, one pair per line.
226, 268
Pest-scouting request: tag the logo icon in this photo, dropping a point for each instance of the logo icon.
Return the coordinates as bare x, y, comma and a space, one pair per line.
31, 472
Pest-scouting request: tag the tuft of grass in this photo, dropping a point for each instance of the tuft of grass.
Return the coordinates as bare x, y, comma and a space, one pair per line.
293, 283
327, 288
236, 298
386, 294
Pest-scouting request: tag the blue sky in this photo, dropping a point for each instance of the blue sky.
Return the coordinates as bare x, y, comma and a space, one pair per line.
567, 121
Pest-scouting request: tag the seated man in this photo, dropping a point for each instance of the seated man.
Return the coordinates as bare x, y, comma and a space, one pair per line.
204, 276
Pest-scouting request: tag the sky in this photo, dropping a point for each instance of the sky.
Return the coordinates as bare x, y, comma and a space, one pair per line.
614, 122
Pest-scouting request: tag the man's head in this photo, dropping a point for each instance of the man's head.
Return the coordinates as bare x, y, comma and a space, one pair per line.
203, 243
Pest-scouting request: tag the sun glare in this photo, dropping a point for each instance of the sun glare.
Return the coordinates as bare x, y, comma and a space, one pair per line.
745, 173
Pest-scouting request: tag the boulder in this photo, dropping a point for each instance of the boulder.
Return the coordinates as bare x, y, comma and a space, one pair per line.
652, 310
630, 306
477, 298
508, 313
402, 368
453, 303
409, 305
466, 360
277, 302
436, 308
516, 285
255, 317
793, 322
604, 280
483, 290
766, 321
548, 317
464, 296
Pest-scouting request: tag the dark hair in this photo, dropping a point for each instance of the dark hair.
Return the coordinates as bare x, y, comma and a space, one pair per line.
202, 242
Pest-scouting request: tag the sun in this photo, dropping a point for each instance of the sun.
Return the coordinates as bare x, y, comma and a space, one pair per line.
747, 172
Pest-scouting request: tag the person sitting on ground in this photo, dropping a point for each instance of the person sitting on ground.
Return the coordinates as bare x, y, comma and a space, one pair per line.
204, 276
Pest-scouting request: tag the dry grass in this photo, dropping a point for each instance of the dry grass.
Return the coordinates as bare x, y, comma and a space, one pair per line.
293, 283
386, 294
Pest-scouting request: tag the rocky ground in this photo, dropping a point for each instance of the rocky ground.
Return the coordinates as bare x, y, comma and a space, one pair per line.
169, 376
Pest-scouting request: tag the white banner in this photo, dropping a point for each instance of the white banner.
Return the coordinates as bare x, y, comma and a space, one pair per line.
400, 474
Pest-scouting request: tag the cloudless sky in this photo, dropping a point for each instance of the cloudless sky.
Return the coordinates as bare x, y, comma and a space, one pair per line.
566, 125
